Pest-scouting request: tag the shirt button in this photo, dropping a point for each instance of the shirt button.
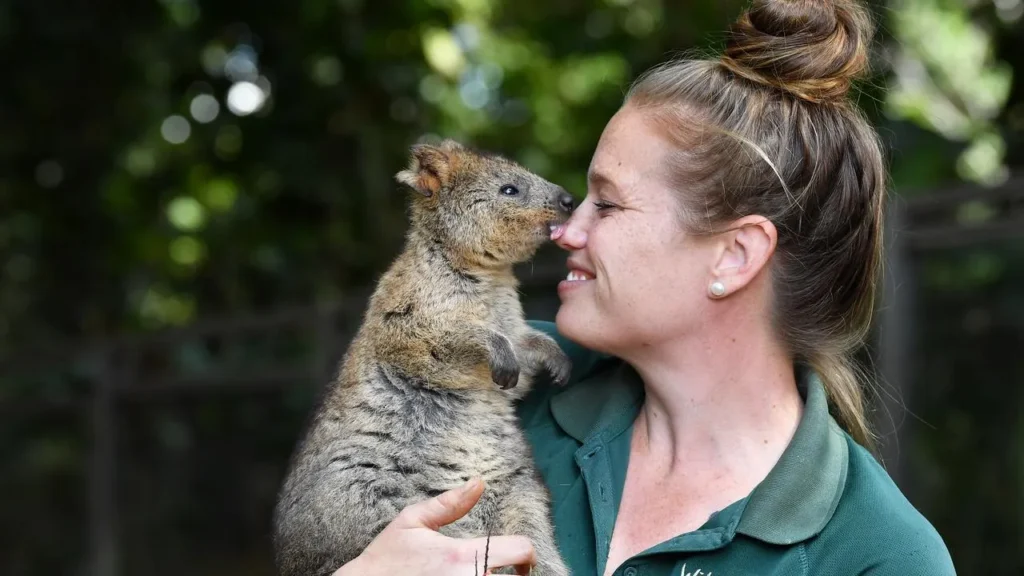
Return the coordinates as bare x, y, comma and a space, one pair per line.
631, 571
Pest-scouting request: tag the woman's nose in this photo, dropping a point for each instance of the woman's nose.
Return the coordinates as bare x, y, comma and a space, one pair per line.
571, 235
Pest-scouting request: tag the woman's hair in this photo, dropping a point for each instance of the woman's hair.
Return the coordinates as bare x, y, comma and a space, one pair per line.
768, 129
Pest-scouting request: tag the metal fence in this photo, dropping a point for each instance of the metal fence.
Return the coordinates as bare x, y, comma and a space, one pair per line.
302, 346
918, 224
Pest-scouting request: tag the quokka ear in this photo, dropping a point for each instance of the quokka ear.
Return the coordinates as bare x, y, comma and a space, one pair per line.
430, 167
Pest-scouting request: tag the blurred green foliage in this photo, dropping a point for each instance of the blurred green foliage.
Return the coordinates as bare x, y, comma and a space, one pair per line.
173, 160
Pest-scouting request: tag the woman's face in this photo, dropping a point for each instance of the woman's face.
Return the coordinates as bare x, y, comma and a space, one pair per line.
635, 277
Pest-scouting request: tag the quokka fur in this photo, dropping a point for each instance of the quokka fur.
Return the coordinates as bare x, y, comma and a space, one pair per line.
423, 399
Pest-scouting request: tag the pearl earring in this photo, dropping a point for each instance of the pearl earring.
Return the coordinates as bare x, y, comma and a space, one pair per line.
717, 289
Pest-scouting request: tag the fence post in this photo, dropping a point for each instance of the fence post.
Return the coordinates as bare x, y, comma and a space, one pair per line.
102, 467
326, 341
896, 342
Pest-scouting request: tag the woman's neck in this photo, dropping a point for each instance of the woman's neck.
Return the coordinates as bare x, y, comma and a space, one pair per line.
724, 402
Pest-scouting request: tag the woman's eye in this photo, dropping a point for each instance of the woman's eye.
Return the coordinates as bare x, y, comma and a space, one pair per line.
603, 205
509, 190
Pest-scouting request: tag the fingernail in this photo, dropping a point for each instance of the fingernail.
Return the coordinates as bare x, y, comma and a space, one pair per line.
469, 485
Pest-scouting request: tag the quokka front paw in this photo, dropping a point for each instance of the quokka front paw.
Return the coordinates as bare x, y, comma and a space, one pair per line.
559, 365
504, 365
544, 352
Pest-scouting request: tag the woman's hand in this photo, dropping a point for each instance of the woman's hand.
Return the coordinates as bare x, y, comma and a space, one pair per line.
411, 545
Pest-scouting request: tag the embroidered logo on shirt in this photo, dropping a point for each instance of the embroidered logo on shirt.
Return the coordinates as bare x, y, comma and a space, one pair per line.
697, 572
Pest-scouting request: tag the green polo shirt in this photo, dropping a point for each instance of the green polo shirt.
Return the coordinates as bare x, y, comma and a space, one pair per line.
826, 508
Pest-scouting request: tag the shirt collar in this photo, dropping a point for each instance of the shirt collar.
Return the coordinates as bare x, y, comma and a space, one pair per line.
795, 500
603, 402
801, 492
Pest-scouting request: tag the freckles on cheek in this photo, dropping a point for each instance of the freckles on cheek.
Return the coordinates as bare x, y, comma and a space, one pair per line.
625, 294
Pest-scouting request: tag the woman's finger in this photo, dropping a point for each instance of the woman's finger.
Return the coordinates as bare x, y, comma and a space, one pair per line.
503, 551
442, 509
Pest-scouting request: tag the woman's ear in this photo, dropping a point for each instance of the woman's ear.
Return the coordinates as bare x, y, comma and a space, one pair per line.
742, 253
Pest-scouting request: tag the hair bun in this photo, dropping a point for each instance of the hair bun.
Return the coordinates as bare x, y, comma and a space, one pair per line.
812, 49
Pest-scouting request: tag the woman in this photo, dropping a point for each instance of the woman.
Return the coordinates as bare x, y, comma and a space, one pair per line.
722, 273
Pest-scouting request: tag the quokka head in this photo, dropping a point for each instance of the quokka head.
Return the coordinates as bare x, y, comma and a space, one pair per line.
489, 209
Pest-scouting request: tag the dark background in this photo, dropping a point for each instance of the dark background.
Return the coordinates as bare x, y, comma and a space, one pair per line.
195, 198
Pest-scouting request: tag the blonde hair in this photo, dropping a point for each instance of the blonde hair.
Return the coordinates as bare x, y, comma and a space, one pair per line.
780, 90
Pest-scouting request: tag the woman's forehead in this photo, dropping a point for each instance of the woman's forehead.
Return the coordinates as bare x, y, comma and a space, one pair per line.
630, 142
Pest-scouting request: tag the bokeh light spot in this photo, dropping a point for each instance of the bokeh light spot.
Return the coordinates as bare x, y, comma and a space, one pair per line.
443, 52
241, 64
466, 35
213, 59
640, 21
140, 161
49, 174
187, 251
432, 88
326, 71
474, 94
204, 108
220, 194
158, 307
186, 213
244, 98
176, 129
184, 13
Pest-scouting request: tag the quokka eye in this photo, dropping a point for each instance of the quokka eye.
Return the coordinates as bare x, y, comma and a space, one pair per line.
509, 190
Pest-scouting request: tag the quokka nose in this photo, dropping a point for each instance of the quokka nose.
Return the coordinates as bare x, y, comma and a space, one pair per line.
565, 201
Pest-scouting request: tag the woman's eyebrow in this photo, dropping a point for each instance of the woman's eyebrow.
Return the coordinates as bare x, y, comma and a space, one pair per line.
598, 179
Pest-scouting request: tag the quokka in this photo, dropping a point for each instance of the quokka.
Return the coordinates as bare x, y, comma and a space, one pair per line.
423, 399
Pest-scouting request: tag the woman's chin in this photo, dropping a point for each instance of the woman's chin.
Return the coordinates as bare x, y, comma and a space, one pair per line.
576, 324
565, 320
